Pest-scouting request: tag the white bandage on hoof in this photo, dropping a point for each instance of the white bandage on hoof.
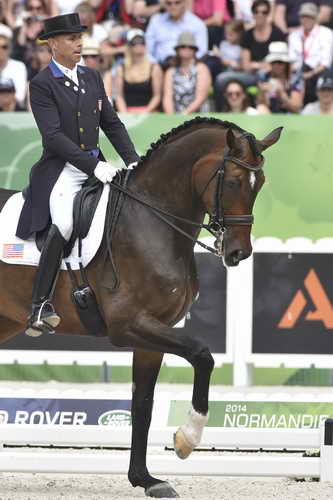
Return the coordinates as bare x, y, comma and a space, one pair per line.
192, 430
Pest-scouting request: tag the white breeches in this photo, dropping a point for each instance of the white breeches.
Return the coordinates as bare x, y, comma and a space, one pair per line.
62, 197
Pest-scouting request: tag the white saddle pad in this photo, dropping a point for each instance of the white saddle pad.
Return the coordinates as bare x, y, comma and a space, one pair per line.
13, 250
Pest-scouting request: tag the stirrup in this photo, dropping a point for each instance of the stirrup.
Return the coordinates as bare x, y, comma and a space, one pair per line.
45, 321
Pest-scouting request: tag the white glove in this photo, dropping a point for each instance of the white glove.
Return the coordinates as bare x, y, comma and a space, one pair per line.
105, 172
132, 165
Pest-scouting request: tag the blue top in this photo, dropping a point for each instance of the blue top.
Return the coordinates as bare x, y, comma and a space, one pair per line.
163, 32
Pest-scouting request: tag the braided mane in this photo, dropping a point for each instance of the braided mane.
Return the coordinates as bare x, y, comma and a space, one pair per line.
172, 134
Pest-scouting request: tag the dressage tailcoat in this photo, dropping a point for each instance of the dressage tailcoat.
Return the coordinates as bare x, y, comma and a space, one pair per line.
68, 117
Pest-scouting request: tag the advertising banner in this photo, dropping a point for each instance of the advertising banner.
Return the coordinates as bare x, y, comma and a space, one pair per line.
292, 303
113, 412
257, 414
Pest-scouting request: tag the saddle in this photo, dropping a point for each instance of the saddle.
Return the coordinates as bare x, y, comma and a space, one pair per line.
84, 207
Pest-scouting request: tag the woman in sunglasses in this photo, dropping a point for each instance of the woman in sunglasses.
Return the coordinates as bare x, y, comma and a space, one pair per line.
257, 39
236, 99
187, 84
138, 80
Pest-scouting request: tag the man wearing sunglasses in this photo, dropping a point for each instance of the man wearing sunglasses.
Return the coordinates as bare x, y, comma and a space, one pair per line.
165, 28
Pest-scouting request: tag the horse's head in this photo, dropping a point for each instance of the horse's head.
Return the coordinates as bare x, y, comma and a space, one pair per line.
229, 189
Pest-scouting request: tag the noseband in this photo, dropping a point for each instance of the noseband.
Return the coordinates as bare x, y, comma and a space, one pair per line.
218, 220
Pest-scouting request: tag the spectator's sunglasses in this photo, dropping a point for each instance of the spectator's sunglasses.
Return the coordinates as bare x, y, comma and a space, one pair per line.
235, 93
4, 47
93, 56
186, 47
175, 2
263, 12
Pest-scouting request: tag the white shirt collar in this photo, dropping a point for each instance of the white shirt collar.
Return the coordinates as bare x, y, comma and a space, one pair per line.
70, 73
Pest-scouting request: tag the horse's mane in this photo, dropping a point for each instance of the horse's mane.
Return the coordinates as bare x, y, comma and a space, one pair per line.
185, 127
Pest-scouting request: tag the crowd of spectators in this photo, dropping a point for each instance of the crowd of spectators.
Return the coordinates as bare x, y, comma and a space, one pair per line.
183, 56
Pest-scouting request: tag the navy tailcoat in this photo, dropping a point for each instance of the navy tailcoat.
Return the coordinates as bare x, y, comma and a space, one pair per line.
68, 117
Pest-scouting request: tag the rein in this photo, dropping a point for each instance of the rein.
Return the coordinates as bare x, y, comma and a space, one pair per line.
218, 221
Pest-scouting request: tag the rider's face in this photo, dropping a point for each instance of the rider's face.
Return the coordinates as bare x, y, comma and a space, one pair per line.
67, 48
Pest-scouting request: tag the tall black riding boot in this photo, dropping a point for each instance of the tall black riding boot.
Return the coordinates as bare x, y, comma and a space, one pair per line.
43, 317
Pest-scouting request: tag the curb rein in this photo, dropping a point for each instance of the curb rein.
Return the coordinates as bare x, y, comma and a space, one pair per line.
217, 220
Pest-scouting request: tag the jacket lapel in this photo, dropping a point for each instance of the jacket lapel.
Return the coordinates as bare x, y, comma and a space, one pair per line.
62, 79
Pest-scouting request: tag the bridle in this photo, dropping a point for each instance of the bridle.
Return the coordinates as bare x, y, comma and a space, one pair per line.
217, 219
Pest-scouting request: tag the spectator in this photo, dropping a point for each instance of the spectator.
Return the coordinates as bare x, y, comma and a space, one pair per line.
214, 14
8, 100
25, 37
229, 65
311, 49
324, 106
91, 54
243, 11
280, 91
186, 85
286, 13
10, 69
257, 39
143, 10
230, 49
41, 57
236, 99
138, 80
95, 32
67, 6
165, 28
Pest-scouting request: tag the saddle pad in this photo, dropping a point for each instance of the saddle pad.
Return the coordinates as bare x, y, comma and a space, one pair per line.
13, 250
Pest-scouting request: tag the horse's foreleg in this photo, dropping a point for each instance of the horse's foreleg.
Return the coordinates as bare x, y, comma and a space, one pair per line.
146, 366
153, 335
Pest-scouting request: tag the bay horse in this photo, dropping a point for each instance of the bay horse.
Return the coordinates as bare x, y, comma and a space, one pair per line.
204, 166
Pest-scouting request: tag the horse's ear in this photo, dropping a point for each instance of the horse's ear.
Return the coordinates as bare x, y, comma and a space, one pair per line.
231, 139
270, 139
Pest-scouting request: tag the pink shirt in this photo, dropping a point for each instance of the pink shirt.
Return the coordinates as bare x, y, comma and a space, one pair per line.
206, 8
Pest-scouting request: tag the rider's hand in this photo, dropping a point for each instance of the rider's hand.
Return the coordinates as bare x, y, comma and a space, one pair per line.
105, 172
132, 165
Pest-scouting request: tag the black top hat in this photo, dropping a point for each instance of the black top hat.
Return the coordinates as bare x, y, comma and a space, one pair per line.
58, 25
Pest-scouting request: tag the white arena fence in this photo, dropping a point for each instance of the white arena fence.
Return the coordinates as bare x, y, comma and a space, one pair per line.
288, 423
239, 325
117, 463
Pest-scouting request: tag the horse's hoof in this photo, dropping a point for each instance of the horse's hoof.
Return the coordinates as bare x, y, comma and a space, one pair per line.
161, 490
182, 447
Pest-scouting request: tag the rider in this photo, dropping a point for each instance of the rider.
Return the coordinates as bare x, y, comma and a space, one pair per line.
69, 105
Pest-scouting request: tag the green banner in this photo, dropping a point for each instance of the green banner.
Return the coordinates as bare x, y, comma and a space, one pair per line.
257, 414
295, 201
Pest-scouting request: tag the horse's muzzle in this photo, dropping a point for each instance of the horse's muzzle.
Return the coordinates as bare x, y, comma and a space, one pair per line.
234, 258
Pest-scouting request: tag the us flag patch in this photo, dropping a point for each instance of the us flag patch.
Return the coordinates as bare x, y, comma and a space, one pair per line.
13, 250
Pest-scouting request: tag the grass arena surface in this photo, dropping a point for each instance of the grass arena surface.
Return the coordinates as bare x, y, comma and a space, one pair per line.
20, 486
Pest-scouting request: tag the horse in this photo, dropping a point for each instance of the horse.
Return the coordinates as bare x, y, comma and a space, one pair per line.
204, 166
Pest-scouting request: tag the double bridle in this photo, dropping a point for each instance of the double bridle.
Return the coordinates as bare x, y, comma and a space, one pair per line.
217, 219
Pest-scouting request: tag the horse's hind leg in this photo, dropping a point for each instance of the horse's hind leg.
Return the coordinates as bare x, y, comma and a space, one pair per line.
146, 366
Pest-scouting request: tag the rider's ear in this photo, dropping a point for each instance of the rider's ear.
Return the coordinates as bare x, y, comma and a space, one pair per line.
270, 139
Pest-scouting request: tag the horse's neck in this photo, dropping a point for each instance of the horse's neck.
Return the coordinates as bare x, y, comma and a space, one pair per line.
167, 178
